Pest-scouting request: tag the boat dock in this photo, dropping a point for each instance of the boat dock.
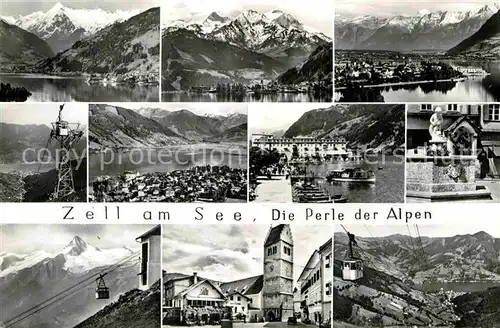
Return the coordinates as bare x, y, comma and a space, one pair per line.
274, 190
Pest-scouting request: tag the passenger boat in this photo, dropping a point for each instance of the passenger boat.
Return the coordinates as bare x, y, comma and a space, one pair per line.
351, 175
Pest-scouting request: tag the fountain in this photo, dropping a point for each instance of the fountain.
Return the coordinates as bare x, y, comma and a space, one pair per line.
445, 168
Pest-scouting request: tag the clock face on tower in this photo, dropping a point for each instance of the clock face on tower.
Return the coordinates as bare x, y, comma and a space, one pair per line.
269, 268
288, 272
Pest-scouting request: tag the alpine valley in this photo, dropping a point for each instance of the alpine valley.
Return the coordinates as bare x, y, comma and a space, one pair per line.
29, 279
419, 281
67, 54
249, 53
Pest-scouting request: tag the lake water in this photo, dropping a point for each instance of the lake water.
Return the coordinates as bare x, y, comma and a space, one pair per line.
471, 90
57, 89
148, 160
26, 168
464, 287
388, 188
212, 97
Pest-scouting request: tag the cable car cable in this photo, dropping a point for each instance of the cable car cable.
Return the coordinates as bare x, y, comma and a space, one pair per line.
49, 304
92, 277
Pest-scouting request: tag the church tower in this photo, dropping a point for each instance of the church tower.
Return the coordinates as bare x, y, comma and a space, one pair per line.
277, 290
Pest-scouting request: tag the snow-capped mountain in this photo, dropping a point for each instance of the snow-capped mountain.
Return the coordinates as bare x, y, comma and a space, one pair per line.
29, 280
81, 257
425, 30
273, 33
61, 26
484, 43
78, 255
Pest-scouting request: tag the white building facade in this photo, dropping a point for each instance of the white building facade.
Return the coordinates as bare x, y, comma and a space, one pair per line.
302, 146
150, 265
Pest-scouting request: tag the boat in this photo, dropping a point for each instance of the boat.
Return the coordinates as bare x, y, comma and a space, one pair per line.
93, 79
351, 175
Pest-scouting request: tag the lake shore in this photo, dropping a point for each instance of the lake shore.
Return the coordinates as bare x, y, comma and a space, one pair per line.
404, 83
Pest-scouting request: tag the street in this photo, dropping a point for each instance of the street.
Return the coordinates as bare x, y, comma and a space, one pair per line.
256, 325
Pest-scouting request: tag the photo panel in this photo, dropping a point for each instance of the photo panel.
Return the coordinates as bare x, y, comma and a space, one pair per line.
406, 51
88, 275
80, 51
177, 153
247, 275
416, 275
247, 51
318, 154
43, 152
453, 153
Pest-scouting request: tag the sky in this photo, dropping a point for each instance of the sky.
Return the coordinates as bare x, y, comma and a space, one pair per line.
268, 118
197, 108
26, 238
402, 7
231, 252
442, 230
16, 7
316, 13
42, 113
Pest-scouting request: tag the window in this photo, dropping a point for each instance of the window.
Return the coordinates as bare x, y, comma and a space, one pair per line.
239, 298
327, 260
426, 107
231, 298
494, 112
144, 264
287, 250
328, 288
452, 107
269, 251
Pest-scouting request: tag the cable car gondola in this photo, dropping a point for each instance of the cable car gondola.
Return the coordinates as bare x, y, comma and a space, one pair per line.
101, 292
352, 267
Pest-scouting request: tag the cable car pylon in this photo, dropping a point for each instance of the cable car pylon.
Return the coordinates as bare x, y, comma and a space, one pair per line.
66, 137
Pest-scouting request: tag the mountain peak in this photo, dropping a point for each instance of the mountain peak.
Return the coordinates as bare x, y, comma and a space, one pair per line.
214, 16
57, 7
482, 235
76, 246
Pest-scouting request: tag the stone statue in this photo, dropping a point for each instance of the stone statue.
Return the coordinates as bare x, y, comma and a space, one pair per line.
435, 126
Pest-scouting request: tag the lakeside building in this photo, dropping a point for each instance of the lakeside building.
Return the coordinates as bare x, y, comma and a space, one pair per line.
302, 146
266, 297
316, 283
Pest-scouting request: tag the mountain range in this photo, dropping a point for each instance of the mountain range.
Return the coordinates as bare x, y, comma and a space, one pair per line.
29, 279
397, 272
378, 127
20, 47
461, 258
61, 26
485, 42
317, 67
250, 47
438, 31
131, 46
113, 126
16, 138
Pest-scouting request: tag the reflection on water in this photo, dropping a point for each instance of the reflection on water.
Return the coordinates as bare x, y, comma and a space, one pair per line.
275, 97
147, 161
47, 88
480, 89
388, 188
